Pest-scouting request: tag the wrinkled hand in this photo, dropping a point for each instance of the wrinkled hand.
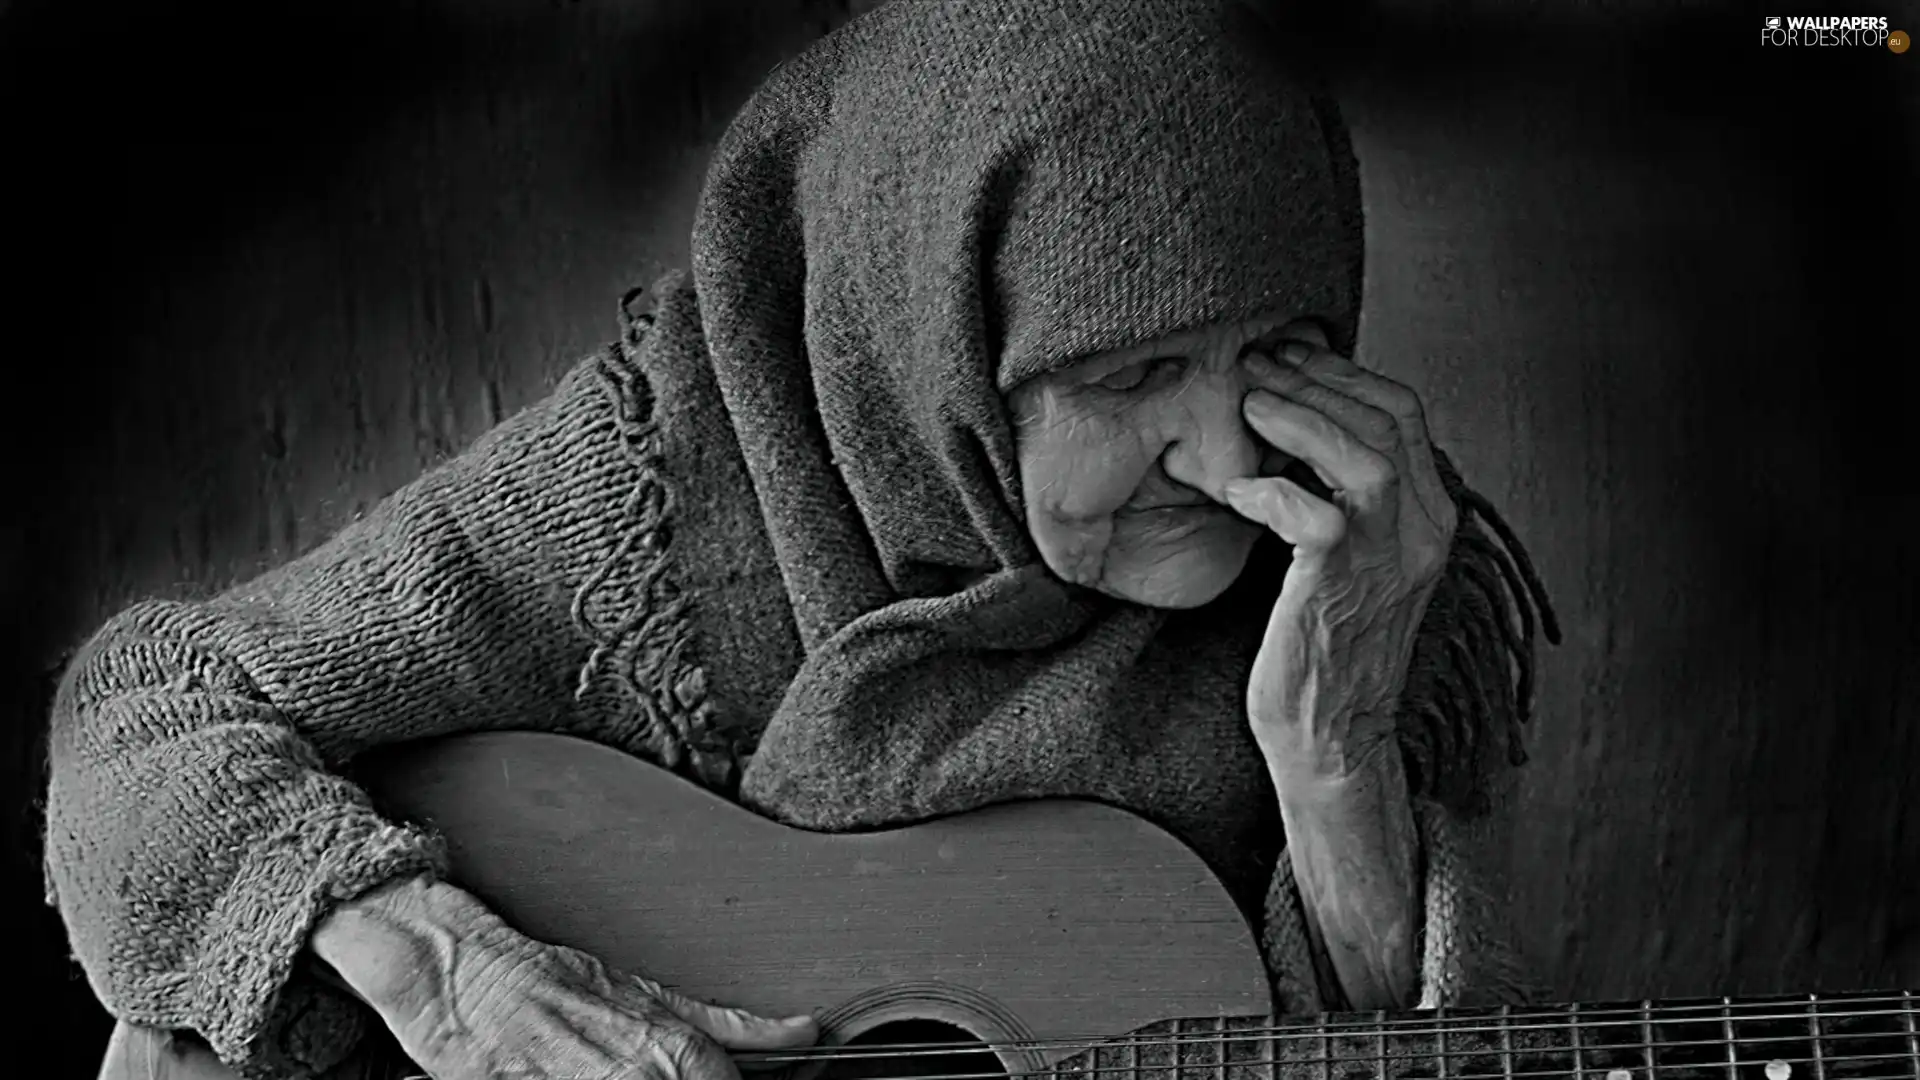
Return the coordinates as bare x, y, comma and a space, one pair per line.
1329, 674
514, 1008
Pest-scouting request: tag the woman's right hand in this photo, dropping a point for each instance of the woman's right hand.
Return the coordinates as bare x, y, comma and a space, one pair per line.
469, 998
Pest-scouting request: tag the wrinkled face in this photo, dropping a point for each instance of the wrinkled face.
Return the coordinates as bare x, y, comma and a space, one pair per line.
1123, 457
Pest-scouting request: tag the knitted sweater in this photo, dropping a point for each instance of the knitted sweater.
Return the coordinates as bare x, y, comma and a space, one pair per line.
197, 824
775, 543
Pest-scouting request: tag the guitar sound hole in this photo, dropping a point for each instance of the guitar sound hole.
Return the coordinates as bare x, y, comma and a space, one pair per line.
953, 1064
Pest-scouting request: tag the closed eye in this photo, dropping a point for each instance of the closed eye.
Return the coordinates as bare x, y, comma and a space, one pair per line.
1134, 375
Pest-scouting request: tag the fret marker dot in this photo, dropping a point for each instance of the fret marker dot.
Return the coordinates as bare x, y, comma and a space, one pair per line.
1619, 1074
1778, 1070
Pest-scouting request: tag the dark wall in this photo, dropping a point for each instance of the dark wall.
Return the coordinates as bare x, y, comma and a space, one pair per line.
1652, 281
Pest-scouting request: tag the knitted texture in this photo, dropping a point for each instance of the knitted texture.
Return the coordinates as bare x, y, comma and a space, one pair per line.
200, 818
932, 206
773, 538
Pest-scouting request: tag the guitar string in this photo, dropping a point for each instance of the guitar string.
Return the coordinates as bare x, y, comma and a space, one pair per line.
1407, 1027
1615, 1016
1384, 1064
1822, 1062
1381, 1067
1423, 1027
1637, 1048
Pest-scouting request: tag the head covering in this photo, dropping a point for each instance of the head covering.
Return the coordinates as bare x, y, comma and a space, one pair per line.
942, 200
932, 204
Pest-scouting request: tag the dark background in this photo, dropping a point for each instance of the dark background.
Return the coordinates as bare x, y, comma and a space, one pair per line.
1656, 283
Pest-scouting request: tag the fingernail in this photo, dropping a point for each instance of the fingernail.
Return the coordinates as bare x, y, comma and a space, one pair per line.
1297, 352
1261, 364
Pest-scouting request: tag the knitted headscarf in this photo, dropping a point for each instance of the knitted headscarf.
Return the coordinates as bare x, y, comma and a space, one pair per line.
931, 205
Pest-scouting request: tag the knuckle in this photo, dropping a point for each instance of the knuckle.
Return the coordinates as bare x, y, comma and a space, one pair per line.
1396, 399
582, 966
1428, 568
1297, 353
1377, 474
657, 1055
1325, 526
1383, 428
1426, 558
729, 1023
1400, 400
671, 1048
706, 1061
1324, 364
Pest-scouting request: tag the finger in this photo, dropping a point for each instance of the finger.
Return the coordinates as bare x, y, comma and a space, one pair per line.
1310, 524
1315, 357
1307, 330
1393, 403
671, 1053
1315, 388
1271, 341
1362, 477
737, 1029
1410, 419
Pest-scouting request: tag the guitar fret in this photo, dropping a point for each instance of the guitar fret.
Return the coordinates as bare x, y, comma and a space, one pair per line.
1220, 1047
1506, 1042
1726, 1027
1852, 1036
1326, 1051
1647, 1053
1380, 1045
1913, 1032
1816, 1055
1573, 1036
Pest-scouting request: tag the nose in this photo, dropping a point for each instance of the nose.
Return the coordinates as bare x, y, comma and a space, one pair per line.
1208, 442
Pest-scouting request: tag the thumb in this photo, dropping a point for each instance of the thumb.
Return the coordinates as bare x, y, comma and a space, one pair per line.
1311, 524
738, 1029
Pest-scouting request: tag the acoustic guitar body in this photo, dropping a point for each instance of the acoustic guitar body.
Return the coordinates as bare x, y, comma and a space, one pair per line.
1025, 926
1062, 937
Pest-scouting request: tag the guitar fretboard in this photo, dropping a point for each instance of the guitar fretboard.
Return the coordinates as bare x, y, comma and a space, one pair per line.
1866, 1036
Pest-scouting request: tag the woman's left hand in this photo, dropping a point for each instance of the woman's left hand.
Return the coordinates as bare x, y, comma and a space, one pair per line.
1327, 681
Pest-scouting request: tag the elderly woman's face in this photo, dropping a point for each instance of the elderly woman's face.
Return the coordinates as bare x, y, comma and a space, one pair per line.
1123, 457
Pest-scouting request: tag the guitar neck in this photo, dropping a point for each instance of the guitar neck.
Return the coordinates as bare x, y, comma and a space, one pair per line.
1858, 1036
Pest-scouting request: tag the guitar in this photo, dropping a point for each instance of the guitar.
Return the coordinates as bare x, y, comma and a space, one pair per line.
1052, 937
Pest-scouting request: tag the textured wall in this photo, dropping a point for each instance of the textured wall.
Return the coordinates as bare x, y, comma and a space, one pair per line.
1660, 326
269, 284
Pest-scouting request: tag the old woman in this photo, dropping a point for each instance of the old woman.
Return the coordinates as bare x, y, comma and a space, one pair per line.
1003, 442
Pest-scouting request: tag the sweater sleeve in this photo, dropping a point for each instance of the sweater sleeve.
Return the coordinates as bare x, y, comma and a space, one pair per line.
1467, 953
197, 822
